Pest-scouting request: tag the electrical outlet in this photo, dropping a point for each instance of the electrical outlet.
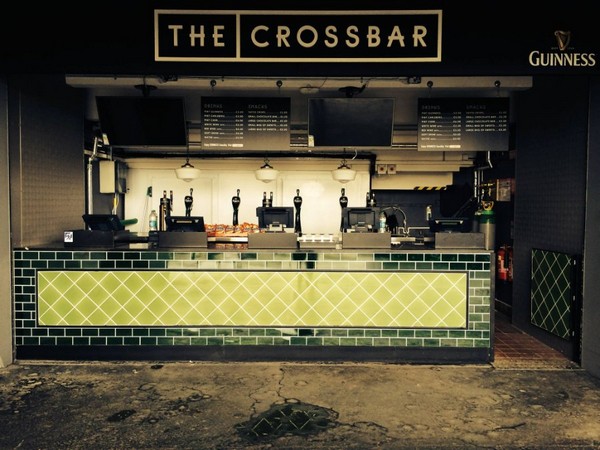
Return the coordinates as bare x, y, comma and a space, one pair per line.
382, 169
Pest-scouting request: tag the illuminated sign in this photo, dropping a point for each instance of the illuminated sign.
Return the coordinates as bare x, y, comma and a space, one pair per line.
297, 36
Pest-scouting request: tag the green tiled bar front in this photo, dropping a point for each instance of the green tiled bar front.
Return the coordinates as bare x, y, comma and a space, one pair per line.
468, 324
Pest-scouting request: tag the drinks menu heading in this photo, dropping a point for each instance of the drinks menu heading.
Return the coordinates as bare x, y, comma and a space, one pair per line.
245, 123
463, 124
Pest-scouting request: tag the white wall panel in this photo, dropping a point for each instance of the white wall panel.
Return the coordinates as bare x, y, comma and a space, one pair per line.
213, 191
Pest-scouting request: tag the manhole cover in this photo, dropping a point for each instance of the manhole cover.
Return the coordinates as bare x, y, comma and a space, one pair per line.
290, 418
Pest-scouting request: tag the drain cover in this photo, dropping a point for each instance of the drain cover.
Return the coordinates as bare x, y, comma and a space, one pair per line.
290, 418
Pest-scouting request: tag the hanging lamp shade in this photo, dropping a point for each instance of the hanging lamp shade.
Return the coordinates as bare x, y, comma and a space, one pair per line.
187, 172
344, 173
266, 173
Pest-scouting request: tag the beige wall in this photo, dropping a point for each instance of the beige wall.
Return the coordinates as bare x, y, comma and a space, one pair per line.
6, 348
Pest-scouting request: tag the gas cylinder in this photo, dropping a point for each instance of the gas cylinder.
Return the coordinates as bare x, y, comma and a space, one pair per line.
487, 226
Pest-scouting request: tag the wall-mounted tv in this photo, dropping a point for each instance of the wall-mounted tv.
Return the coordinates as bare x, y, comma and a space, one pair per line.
142, 121
351, 122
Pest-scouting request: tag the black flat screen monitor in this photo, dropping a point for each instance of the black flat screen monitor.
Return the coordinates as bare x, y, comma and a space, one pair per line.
142, 121
185, 223
275, 216
360, 219
103, 222
351, 122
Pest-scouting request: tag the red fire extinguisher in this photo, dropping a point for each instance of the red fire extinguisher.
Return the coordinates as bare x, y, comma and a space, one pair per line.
504, 263
510, 264
501, 266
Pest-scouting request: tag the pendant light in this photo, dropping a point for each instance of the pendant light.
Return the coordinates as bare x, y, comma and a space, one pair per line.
187, 172
266, 173
343, 173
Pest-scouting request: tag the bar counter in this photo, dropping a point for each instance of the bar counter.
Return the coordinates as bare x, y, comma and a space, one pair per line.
226, 302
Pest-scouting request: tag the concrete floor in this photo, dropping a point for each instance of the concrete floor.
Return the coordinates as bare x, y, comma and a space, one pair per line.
274, 405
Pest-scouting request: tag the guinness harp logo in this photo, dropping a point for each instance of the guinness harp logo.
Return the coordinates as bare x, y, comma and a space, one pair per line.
563, 38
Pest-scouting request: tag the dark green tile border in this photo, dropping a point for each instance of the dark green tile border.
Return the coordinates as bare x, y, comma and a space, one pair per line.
26, 264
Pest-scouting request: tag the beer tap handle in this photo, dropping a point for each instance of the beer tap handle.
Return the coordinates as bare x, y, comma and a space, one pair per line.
297, 205
343, 204
235, 202
189, 200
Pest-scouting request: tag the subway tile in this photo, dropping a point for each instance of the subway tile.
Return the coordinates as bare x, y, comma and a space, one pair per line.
149, 255
124, 264
158, 265
140, 265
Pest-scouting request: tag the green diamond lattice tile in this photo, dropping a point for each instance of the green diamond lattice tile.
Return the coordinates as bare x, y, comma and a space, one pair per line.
264, 298
552, 291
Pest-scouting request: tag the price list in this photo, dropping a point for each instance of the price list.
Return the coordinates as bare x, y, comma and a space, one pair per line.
246, 123
463, 124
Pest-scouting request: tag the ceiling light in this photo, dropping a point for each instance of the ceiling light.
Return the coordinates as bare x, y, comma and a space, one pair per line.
308, 89
266, 173
343, 173
187, 172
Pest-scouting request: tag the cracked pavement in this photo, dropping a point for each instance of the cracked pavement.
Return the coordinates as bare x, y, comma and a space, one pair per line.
294, 405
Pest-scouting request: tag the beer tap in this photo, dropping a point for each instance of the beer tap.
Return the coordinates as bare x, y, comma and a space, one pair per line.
343, 204
188, 200
164, 212
235, 202
297, 205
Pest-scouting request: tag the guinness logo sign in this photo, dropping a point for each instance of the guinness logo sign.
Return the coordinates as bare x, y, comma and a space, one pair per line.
562, 55
563, 38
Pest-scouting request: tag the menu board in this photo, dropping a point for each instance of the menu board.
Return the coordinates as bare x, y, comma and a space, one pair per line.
463, 124
245, 123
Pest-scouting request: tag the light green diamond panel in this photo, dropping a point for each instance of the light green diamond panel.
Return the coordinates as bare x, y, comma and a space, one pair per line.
261, 299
